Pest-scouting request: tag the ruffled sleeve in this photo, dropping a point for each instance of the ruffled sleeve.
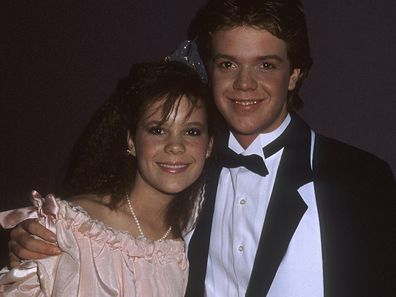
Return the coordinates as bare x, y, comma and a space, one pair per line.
96, 260
44, 209
30, 278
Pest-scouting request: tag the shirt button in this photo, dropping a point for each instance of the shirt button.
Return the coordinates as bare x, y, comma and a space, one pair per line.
240, 248
242, 201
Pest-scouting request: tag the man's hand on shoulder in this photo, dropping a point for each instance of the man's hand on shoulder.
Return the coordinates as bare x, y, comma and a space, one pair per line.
30, 241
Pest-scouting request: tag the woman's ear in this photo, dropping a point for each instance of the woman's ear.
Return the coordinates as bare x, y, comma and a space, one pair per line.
131, 145
210, 147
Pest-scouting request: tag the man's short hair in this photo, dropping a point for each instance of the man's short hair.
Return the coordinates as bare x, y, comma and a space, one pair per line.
284, 19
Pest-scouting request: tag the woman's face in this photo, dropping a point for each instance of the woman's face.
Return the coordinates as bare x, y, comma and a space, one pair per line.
170, 156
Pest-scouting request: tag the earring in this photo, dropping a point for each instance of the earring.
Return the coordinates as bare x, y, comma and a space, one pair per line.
130, 152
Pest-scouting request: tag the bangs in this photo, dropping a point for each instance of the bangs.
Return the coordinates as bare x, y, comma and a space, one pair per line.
170, 103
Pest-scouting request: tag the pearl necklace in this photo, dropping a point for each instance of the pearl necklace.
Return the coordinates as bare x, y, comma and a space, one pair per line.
139, 227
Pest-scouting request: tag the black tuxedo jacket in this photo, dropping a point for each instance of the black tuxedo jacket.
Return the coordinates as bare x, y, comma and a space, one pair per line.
355, 195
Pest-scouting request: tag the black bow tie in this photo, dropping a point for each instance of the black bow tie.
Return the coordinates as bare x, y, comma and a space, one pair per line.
254, 163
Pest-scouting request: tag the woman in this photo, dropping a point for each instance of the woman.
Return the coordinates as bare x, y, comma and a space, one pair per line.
136, 182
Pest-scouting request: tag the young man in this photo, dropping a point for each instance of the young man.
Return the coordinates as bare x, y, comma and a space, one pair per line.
304, 215
319, 223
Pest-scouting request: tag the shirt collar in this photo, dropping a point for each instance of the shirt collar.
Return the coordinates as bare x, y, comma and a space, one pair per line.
256, 147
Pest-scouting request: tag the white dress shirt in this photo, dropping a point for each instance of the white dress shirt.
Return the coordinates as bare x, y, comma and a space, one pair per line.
241, 204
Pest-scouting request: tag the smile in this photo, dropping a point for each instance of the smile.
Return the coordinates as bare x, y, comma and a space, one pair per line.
176, 166
245, 102
173, 167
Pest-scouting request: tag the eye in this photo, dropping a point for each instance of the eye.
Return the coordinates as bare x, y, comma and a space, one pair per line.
193, 132
157, 130
267, 66
226, 65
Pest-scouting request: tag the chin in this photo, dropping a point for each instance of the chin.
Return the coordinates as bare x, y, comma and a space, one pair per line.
173, 190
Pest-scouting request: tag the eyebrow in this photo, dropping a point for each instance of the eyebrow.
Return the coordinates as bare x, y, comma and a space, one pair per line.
202, 124
259, 58
151, 122
155, 122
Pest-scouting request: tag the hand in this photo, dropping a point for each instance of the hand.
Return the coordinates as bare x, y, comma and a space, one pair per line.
29, 241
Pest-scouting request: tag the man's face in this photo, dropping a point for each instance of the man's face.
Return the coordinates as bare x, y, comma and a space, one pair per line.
251, 77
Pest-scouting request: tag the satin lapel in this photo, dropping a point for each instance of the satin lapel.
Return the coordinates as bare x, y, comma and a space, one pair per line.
199, 244
285, 209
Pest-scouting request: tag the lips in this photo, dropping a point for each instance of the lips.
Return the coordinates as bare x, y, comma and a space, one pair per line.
173, 167
245, 102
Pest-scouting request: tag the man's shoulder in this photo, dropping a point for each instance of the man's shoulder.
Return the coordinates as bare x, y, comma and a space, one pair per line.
339, 156
338, 148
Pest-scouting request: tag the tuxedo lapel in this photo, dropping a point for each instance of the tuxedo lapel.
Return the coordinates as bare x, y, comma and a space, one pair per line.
285, 209
284, 213
199, 244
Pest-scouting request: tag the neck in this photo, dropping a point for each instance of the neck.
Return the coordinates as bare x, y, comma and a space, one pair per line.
150, 209
150, 203
245, 140
149, 213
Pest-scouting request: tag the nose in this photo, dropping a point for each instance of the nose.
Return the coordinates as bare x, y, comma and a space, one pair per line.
245, 80
175, 145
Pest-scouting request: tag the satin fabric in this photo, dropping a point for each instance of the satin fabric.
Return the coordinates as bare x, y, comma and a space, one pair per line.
95, 261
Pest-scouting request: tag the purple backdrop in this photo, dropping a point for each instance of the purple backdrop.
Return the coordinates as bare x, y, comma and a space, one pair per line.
59, 60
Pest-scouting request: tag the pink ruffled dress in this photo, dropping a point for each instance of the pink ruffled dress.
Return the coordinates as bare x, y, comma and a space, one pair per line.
96, 260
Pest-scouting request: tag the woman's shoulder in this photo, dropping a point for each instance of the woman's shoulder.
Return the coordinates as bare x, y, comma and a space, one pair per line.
96, 206
92, 217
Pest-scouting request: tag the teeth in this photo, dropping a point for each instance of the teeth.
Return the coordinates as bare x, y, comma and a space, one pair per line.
172, 166
245, 102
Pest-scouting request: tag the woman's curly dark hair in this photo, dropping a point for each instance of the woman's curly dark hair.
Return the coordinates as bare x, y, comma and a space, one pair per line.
99, 163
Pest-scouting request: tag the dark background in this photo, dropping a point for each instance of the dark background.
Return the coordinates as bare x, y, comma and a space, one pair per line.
59, 60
